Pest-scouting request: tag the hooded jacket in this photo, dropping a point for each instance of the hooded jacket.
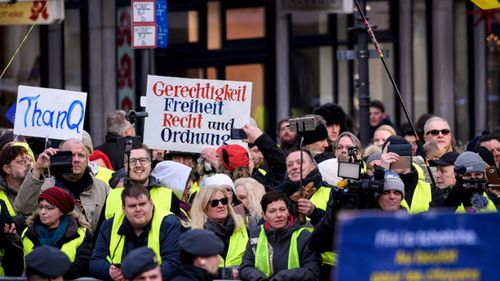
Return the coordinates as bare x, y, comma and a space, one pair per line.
279, 245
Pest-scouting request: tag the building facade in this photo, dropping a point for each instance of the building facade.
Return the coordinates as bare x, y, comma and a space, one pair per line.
443, 62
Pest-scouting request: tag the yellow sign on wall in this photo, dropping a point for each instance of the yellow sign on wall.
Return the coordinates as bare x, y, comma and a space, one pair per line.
31, 12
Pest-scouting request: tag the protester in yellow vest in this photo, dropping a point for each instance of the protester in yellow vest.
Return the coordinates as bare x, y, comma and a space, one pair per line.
278, 249
140, 173
56, 224
211, 211
11, 256
15, 162
139, 224
471, 193
418, 193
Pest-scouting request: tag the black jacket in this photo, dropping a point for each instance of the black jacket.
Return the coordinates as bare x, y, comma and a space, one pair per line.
113, 150
189, 273
279, 245
276, 163
79, 268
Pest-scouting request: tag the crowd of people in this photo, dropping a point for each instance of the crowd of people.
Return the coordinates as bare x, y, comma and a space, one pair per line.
266, 212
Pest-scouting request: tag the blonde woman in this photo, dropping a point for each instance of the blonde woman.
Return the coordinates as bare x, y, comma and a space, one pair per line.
381, 134
250, 192
211, 211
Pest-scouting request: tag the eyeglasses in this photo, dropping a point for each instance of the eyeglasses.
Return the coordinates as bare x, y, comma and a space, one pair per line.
142, 160
25, 161
444, 132
344, 147
46, 207
215, 202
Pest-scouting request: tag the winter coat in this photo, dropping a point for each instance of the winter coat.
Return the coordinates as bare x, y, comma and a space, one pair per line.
79, 267
279, 245
113, 150
89, 191
170, 230
190, 273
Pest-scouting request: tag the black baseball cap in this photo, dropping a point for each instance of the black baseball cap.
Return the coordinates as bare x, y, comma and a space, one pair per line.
447, 159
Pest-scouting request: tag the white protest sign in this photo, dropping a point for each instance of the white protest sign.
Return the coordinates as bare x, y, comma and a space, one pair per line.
49, 113
191, 114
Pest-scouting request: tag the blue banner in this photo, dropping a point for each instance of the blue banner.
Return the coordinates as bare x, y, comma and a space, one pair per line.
11, 114
161, 24
432, 246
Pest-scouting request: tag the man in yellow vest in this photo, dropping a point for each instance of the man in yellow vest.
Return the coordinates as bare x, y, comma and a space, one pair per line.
15, 163
140, 173
140, 224
278, 249
471, 193
418, 193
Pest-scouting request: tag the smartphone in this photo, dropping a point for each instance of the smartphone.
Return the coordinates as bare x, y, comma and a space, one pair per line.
400, 149
404, 162
238, 134
61, 163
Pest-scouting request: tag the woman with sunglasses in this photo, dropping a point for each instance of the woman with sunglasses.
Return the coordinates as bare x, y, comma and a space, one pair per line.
211, 211
56, 224
278, 249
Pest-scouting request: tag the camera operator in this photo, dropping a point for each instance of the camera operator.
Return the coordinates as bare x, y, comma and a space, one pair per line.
471, 193
418, 193
89, 192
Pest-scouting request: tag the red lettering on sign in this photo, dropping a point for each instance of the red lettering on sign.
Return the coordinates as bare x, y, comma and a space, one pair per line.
39, 7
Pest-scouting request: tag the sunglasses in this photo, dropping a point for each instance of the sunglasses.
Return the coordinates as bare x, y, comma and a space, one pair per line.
444, 132
215, 202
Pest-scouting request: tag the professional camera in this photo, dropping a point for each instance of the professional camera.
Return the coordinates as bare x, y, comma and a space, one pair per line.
359, 190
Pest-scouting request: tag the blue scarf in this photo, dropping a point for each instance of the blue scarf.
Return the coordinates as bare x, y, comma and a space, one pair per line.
51, 237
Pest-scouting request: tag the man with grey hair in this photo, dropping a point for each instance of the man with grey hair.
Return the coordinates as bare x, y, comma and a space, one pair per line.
89, 192
117, 127
438, 130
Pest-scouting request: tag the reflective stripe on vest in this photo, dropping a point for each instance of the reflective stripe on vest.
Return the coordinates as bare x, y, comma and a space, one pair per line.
262, 262
490, 208
320, 197
69, 248
237, 247
117, 242
161, 197
4, 197
262, 172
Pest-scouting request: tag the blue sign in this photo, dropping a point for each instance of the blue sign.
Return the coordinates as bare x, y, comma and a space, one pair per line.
11, 113
161, 24
432, 246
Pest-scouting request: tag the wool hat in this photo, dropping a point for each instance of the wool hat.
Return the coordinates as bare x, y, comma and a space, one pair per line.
233, 156
220, 179
470, 162
59, 198
373, 156
333, 114
201, 243
447, 159
394, 182
87, 141
320, 133
172, 175
47, 261
138, 261
97, 154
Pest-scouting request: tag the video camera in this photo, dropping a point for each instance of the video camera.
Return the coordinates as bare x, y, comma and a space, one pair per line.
359, 190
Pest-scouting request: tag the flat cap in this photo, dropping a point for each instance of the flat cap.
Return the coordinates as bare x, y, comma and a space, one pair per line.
47, 261
138, 261
447, 159
201, 243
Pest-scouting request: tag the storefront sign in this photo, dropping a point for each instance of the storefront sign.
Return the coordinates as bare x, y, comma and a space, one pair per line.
323, 6
420, 247
191, 114
31, 12
49, 113
149, 24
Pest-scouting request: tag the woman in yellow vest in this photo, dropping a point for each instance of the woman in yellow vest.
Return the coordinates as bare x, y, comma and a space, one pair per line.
211, 211
56, 224
278, 249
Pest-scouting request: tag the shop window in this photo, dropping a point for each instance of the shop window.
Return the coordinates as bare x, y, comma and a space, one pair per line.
252, 73
245, 23
214, 26
183, 27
